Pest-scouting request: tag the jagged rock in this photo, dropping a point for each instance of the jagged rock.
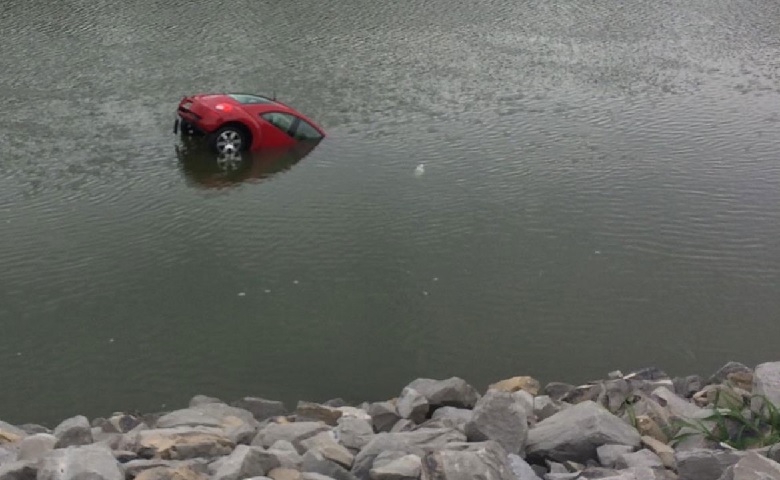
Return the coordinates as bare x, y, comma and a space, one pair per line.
452, 392
545, 407
664, 451
647, 374
529, 384
521, 468
291, 432
181, 472
10, 433
244, 462
315, 412
576, 432
584, 393
315, 462
183, 443
608, 455
615, 394
284, 474
687, 386
412, 405
557, 390
360, 413
33, 428
703, 464
199, 400
120, 423
642, 458
7, 456
18, 470
73, 432
286, 454
722, 374
35, 447
451, 417
766, 383
92, 462
407, 467
753, 467
354, 432
261, 408
134, 468
677, 406
404, 425
383, 416
315, 476
416, 443
239, 425
477, 461
501, 417
647, 426
124, 456
719, 396
740, 380
325, 443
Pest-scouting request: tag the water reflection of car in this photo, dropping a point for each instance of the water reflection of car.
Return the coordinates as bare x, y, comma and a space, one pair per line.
207, 169
238, 122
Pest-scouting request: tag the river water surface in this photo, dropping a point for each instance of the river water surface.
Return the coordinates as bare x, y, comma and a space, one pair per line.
601, 190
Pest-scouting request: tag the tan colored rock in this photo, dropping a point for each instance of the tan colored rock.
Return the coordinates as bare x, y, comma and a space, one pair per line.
167, 473
308, 411
284, 474
720, 396
529, 384
648, 427
185, 442
664, 451
741, 380
10, 433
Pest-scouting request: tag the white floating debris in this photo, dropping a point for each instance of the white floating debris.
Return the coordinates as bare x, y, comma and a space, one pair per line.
295, 282
267, 291
435, 279
18, 354
241, 294
419, 171
110, 340
425, 293
597, 252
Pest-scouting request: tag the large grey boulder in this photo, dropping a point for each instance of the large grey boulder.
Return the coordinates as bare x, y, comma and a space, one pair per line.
314, 462
417, 442
642, 458
199, 400
73, 432
576, 433
35, 447
731, 367
261, 408
292, 432
383, 416
92, 462
766, 383
499, 416
412, 405
183, 443
286, 453
325, 443
476, 461
244, 462
609, 454
677, 406
405, 467
452, 392
7, 456
701, 464
239, 425
134, 468
354, 432
753, 467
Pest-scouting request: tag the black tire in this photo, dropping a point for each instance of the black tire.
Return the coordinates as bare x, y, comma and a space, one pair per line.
229, 139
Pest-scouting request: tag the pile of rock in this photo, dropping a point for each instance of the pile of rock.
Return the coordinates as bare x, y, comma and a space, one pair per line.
620, 428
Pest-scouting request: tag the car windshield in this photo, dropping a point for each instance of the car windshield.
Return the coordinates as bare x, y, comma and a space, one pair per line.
246, 98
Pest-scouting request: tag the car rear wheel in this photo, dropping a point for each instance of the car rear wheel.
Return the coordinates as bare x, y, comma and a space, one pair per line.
230, 139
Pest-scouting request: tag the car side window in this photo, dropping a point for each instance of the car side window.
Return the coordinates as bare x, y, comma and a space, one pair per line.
306, 131
282, 121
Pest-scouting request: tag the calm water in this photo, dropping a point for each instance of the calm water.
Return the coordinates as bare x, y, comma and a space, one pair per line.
601, 191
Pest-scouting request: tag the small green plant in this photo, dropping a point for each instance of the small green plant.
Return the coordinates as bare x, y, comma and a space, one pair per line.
736, 425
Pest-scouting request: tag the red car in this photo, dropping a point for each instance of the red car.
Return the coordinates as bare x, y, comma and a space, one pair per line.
236, 122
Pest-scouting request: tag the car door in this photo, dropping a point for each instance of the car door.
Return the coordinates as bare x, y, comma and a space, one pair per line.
278, 129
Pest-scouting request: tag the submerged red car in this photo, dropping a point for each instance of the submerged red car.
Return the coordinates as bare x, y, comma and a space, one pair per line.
237, 122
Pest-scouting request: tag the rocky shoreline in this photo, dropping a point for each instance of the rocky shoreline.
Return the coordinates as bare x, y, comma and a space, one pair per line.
640, 426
